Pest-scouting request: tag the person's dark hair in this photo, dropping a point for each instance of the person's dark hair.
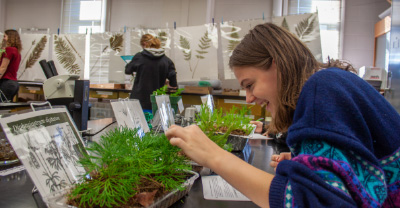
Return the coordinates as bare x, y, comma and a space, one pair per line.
294, 62
13, 39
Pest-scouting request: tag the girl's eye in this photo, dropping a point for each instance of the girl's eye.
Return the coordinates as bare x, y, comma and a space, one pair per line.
248, 86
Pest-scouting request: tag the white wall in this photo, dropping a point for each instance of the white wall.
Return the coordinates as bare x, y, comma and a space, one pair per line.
242, 10
33, 13
358, 40
2, 15
156, 13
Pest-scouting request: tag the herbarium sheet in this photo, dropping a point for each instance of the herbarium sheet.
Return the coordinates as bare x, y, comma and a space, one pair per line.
105, 60
69, 53
35, 47
49, 147
306, 28
195, 52
231, 35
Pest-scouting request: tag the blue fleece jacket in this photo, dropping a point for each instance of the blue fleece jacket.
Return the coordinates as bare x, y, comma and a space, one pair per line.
345, 141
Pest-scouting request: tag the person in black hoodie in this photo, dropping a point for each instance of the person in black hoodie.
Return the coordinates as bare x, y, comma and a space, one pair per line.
152, 69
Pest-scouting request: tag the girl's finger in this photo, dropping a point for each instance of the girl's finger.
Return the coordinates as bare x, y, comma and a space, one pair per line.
273, 164
175, 141
174, 131
273, 157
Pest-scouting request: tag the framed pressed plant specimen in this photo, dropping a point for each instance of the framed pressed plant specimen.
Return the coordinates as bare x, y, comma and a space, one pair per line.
49, 146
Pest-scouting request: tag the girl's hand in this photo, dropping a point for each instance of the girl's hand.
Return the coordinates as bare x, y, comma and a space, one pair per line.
259, 126
195, 144
275, 159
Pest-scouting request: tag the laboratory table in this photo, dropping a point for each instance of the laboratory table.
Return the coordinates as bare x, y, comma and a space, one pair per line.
16, 188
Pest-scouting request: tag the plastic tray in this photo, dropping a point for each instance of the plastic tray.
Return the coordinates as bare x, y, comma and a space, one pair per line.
176, 194
166, 201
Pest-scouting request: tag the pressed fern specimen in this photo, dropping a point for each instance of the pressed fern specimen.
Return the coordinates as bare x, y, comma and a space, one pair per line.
65, 55
205, 43
122, 165
305, 27
163, 38
285, 24
37, 51
185, 44
234, 41
35, 55
116, 42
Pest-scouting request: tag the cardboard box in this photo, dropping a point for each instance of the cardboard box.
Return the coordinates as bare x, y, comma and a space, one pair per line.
108, 86
230, 93
198, 90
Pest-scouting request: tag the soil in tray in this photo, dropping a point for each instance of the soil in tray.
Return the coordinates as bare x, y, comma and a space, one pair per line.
238, 132
148, 192
7, 152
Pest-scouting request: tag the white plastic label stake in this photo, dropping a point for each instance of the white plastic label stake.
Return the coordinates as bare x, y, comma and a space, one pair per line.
180, 106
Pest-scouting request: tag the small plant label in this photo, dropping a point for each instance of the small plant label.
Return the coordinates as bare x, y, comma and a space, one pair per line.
180, 106
208, 101
49, 146
165, 111
129, 114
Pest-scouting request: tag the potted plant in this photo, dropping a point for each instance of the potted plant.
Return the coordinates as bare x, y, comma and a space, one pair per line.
174, 98
124, 170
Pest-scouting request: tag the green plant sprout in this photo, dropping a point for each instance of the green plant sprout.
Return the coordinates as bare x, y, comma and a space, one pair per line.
162, 91
178, 92
122, 165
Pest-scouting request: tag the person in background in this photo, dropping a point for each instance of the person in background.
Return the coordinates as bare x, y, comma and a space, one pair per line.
9, 64
152, 69
343, 135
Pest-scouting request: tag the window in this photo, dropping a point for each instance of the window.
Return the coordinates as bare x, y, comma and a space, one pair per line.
329, 12
80, 15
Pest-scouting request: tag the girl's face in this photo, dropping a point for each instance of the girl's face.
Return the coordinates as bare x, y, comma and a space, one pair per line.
5, 38
261, 85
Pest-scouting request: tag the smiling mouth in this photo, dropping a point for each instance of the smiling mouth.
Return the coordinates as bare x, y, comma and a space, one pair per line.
264, 104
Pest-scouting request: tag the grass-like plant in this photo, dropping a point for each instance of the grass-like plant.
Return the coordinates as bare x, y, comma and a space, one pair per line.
237, 122
122, 166
233, 122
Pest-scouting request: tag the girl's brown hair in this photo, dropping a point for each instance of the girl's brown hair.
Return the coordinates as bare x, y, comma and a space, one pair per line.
13, 39
294, 62
150, 41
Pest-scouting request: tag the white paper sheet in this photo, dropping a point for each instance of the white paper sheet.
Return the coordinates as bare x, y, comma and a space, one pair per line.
259, 136
216, 188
